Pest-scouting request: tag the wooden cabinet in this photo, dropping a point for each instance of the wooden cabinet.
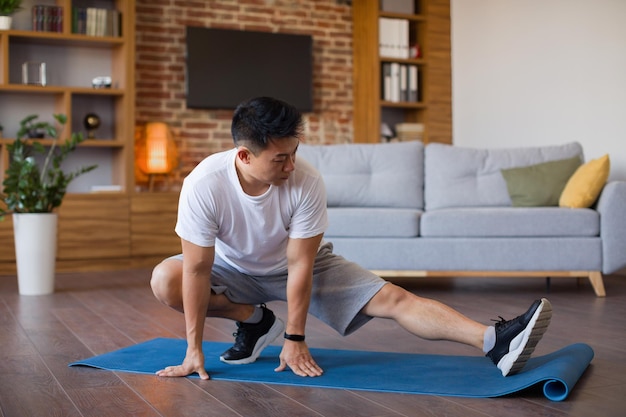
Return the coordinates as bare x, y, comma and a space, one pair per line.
428, 32
72, 61
107, 232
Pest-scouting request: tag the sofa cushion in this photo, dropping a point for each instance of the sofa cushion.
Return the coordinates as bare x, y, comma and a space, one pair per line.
510, 222
540, 184
466, 177
373, 222
370, 175
584, 187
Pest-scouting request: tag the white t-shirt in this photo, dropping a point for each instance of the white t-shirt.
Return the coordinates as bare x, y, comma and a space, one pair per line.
250, 233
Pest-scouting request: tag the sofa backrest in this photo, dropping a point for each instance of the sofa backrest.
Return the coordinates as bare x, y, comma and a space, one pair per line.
465, 177
370, 175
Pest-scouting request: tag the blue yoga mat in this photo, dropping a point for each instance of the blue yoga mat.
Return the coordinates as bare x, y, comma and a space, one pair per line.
460, 376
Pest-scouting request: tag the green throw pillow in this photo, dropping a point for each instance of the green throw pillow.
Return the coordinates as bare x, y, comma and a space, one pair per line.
541, 184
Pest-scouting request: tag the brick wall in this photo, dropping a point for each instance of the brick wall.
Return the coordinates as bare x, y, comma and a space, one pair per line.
160, 66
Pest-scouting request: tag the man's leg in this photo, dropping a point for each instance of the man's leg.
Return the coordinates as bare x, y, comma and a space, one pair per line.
428, 319
167, 286
257, 325
509, 344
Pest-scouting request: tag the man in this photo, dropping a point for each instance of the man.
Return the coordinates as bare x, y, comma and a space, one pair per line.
251, 222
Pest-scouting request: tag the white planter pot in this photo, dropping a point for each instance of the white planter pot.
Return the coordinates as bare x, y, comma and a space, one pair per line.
5, 22
35, 252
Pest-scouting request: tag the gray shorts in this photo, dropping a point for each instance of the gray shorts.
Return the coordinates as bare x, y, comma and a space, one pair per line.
340, 289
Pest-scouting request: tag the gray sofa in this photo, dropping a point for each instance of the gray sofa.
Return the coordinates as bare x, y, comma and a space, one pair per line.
405, 209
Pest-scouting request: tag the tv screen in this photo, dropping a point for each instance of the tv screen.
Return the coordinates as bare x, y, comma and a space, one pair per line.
226, 67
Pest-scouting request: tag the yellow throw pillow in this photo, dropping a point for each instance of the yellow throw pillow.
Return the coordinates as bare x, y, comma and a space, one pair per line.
584, 187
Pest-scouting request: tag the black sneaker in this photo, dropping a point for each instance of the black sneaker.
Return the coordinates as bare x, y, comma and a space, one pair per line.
251, 339
516, 339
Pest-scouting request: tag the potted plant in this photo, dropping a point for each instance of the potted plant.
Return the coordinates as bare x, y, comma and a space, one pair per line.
32, 194
7, 8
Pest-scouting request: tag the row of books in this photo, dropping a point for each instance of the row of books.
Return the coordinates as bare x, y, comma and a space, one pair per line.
409, 131
47, 18
94, 21
400, 82
393, 39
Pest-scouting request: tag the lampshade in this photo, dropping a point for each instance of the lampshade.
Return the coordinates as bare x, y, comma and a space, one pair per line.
158, 153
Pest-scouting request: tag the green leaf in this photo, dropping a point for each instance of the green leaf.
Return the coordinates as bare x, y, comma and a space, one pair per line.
29, 188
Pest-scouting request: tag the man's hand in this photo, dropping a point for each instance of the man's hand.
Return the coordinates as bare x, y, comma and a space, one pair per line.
296, 355
194, 362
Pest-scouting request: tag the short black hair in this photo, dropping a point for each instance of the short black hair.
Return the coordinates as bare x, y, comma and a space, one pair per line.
258, 121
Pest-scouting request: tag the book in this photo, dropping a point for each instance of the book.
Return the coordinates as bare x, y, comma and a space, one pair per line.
398, 6
47, 18
395, 82
402, 34
404, 83
385, 28
93, 21
386, 82
413, 80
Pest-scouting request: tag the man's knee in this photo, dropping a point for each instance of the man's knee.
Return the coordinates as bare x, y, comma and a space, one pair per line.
388, 301
166, 282
395, 295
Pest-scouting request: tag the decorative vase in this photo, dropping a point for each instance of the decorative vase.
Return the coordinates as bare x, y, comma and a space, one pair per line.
5, 22
35, 252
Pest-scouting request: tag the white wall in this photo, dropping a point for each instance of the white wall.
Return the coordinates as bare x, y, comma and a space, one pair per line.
537, 72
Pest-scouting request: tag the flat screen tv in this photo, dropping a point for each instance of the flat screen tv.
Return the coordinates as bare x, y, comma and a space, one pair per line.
226, 67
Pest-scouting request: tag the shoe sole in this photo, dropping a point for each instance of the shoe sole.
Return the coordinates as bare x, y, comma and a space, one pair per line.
514, 361
276, 330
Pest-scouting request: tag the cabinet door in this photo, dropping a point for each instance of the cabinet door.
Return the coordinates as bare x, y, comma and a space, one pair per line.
7, 253
94, 227
153, 218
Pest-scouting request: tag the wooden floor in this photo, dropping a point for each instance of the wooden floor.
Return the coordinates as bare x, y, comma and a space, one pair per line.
93, 313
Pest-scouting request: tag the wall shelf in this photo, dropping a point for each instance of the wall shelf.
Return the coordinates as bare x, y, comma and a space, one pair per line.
432, 106
72, 61
94, 229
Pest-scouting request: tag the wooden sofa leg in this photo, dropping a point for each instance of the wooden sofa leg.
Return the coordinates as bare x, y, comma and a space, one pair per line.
597, 283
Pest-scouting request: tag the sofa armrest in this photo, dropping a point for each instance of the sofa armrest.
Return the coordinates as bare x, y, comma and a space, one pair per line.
612, 208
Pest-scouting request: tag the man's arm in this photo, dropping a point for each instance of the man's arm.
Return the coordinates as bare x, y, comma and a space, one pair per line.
301, 255
196, 291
